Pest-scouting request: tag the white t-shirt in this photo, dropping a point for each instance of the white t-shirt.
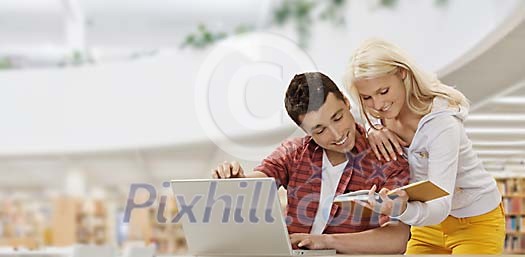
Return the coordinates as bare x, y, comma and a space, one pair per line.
329, 182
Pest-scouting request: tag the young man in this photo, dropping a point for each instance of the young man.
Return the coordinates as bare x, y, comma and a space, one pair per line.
333, 158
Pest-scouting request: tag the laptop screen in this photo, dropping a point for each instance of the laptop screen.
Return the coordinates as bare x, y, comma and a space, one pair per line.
231, 217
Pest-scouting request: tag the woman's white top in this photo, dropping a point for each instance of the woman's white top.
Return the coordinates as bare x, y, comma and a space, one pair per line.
442, 153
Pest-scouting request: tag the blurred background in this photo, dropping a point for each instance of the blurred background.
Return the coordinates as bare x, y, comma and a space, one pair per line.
97, 95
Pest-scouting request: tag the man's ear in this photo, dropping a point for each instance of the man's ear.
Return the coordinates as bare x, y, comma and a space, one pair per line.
304, 130
347, 102
403, 73
301, 117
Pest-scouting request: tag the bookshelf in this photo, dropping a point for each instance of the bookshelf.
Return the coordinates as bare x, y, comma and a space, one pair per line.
20, 226
79, 221
62, 221
168, 238
513, 191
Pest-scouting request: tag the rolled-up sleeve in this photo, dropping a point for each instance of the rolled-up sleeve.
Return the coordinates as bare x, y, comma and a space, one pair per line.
278, 164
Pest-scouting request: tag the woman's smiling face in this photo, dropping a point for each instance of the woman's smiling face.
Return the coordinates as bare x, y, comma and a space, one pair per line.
383, 96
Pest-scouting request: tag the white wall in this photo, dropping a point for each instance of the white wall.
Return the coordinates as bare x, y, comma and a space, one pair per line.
162, 101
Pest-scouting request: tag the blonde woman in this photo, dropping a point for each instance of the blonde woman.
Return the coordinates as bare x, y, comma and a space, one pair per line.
422, 119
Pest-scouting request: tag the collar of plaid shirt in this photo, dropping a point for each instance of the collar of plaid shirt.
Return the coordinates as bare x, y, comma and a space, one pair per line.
360, 151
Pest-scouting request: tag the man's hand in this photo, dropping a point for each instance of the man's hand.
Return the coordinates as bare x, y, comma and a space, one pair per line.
228, 170
312, 242
387, 205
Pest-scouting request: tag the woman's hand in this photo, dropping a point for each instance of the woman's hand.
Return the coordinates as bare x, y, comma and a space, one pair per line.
393, 203
385, 143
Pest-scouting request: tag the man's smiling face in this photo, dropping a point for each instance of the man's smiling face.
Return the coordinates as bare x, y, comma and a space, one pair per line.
332, 126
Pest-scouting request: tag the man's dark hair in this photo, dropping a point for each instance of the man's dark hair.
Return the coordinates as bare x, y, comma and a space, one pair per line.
307, 92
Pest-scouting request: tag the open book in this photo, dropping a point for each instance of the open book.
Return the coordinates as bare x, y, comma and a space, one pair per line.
419, 191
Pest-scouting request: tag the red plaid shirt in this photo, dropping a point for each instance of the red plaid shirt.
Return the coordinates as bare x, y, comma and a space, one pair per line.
297, 166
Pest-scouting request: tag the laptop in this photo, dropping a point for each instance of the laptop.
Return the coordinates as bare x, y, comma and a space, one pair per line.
235, 217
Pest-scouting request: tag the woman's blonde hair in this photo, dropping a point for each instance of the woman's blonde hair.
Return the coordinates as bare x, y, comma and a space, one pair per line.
376, 58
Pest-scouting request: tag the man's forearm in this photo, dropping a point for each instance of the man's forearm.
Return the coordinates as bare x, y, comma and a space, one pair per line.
390, 239
256, 174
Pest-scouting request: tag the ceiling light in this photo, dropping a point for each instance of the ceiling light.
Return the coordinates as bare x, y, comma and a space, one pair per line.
500, 152
510, 100
498, 143
496, 117
495, 131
